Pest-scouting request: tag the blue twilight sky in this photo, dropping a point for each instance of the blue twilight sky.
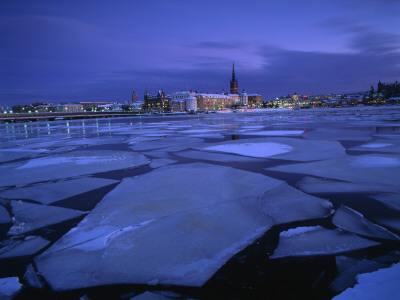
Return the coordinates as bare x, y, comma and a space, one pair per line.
60, 51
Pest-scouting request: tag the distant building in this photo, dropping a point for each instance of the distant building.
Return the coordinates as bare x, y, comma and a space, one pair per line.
69, 108
254, 100
213, 101
234, 83
159, 103
134, 97
191, 104
389, 90
243, 99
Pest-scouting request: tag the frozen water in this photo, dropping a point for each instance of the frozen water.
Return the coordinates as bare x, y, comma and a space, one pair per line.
181, 233
50, 192
9, 287
381, 284
4, 216
391, 200
381, 173
16, 153
338, 134
317, 240
210, 156
389, 222
160, 162
29, 246
274, 132
168, 142
32, 278
252, 149
150, 296
29, 216
275, 203
349, 268
68, 165
350, 220
281, 148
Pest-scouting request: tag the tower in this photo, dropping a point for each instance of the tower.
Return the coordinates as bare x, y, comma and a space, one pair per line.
234, 82
134, 97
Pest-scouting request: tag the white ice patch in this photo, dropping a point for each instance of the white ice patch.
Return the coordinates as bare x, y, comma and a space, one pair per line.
349, 268
275, 132
68, 165
373, 161
211, 156
376, 145
318, 241
200, 214
9, 287
252, 149
16, 248
350, 220
161, 162
51, 192
28, 216
381, 284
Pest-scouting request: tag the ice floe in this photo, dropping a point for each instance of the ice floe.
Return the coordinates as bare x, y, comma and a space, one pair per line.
171, 143
316, 240
68, 165
280, 148
378, 173
9, 287
46, 193
389, 222
381, 284
160, 162
339, 134
351, 220
349, 268
179, 233
274, 132
220, 157
29, 216
31, 277
28, 246
4, 215
10, 154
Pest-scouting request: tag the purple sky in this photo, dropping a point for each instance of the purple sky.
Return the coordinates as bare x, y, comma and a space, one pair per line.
60, 51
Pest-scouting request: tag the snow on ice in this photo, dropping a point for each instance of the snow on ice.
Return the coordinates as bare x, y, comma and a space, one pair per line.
180, 233
316, 240
381, 284
67, 165
46, 193
29, 216
28, 246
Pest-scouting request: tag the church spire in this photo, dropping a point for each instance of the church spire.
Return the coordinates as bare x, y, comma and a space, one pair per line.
234, 82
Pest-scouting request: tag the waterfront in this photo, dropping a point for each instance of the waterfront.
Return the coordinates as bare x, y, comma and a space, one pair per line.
346, 156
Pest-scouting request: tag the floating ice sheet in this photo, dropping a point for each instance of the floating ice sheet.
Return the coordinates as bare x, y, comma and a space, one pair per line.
29, 246
14, 153
281, 148
51, 192
29, 216
150, 296
4, 216
9, 287
338, 134
69, 165
168, 142
309, 241
389, 222
381, 172
220, 157
381, 284
274, 132
180, 233
349, 268
160, 162
379, 146
350, 220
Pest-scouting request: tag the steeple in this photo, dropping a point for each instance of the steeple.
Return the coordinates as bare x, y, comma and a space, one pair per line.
234, 82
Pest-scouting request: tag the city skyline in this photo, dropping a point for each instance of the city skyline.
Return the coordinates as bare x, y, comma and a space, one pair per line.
72, 51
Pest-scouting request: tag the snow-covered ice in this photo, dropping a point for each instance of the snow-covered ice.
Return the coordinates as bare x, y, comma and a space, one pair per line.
160, 162
274, 132
29, 216
67, 165
351, 220
28, 246
180, 233
316, 240
281, 148
381, 284
220, 157
9, 287
349, 268
46, 193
